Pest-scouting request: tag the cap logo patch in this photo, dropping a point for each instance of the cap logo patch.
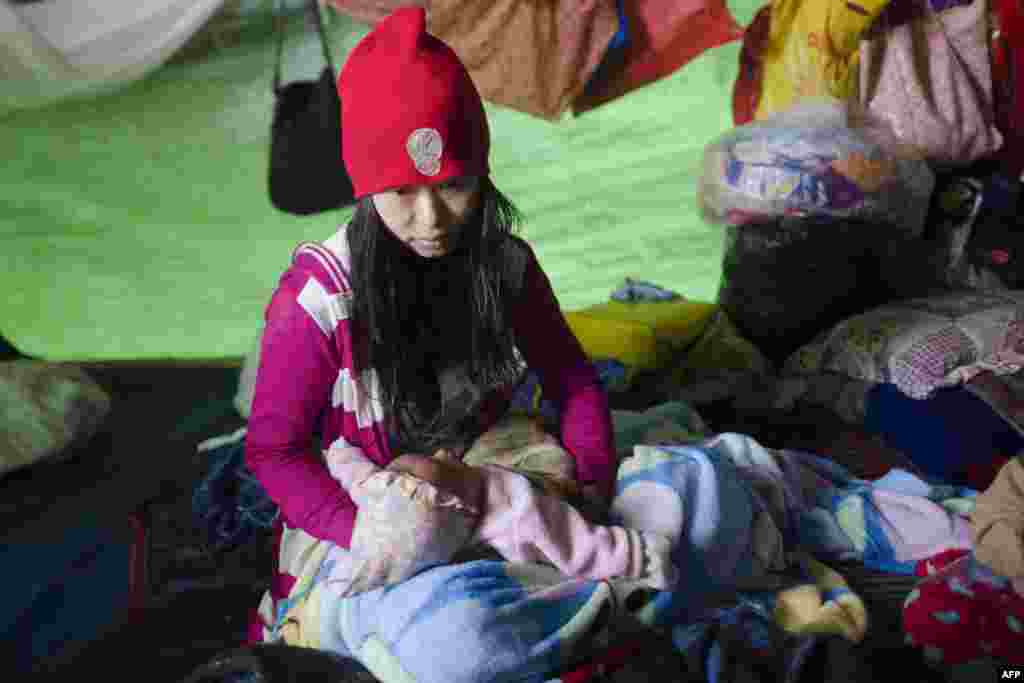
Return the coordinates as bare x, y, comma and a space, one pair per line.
424, 147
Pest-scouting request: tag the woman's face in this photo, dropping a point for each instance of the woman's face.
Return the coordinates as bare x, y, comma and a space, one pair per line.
429, 218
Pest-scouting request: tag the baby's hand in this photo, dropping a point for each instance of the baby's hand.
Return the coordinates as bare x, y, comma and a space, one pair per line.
446, 455
349, 465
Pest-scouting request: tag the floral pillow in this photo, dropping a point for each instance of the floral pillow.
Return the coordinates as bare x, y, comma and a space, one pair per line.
921, 345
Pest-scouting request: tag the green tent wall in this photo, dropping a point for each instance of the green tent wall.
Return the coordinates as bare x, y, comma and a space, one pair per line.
136, 225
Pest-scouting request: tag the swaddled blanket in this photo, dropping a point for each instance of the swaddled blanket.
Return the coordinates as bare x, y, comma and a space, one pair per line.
735, 510
741, 510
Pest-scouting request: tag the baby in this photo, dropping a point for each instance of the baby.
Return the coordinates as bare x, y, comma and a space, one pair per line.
420, 511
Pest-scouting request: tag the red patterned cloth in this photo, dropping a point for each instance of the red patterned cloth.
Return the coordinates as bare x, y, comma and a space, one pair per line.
964, 613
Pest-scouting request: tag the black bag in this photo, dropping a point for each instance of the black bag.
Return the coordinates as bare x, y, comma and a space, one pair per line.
307, 173
786, 280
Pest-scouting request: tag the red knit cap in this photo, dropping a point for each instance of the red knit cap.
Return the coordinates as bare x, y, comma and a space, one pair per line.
410, 112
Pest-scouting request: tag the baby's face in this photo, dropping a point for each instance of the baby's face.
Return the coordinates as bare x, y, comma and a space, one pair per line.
447, 474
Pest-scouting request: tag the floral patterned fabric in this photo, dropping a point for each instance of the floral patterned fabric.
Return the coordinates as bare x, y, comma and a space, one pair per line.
922, 345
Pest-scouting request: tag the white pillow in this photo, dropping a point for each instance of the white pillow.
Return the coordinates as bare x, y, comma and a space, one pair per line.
44, 409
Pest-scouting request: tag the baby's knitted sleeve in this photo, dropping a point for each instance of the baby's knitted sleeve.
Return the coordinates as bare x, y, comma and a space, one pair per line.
527, 525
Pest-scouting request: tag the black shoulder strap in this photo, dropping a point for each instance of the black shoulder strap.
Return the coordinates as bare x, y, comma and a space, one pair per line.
279, 19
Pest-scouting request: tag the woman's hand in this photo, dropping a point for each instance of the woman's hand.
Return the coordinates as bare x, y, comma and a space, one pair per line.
560, 488
445, 471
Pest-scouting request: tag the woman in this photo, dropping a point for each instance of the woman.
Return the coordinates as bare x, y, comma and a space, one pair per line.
404, 332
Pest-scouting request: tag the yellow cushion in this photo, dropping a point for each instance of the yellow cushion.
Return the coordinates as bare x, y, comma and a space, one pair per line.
642, 335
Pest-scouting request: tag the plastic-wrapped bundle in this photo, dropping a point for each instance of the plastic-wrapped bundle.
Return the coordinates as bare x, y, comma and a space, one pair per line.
813, 160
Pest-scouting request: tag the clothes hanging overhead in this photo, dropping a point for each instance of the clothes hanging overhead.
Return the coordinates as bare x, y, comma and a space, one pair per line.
53, 49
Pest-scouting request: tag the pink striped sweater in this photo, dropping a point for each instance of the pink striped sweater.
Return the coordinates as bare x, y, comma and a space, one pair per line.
307, 383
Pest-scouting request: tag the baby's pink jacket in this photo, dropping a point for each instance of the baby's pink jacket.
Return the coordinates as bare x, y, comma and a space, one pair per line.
525, 524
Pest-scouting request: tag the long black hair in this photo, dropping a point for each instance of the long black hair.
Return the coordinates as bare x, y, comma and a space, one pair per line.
412, 316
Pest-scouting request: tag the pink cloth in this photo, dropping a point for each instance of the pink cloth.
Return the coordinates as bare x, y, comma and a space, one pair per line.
917, 527
307, 382
930, 80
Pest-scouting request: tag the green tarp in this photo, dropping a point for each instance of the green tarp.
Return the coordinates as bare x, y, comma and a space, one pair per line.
137, 225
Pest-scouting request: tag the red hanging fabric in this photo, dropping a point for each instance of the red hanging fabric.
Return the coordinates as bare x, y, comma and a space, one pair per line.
1008, 80
663, 37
